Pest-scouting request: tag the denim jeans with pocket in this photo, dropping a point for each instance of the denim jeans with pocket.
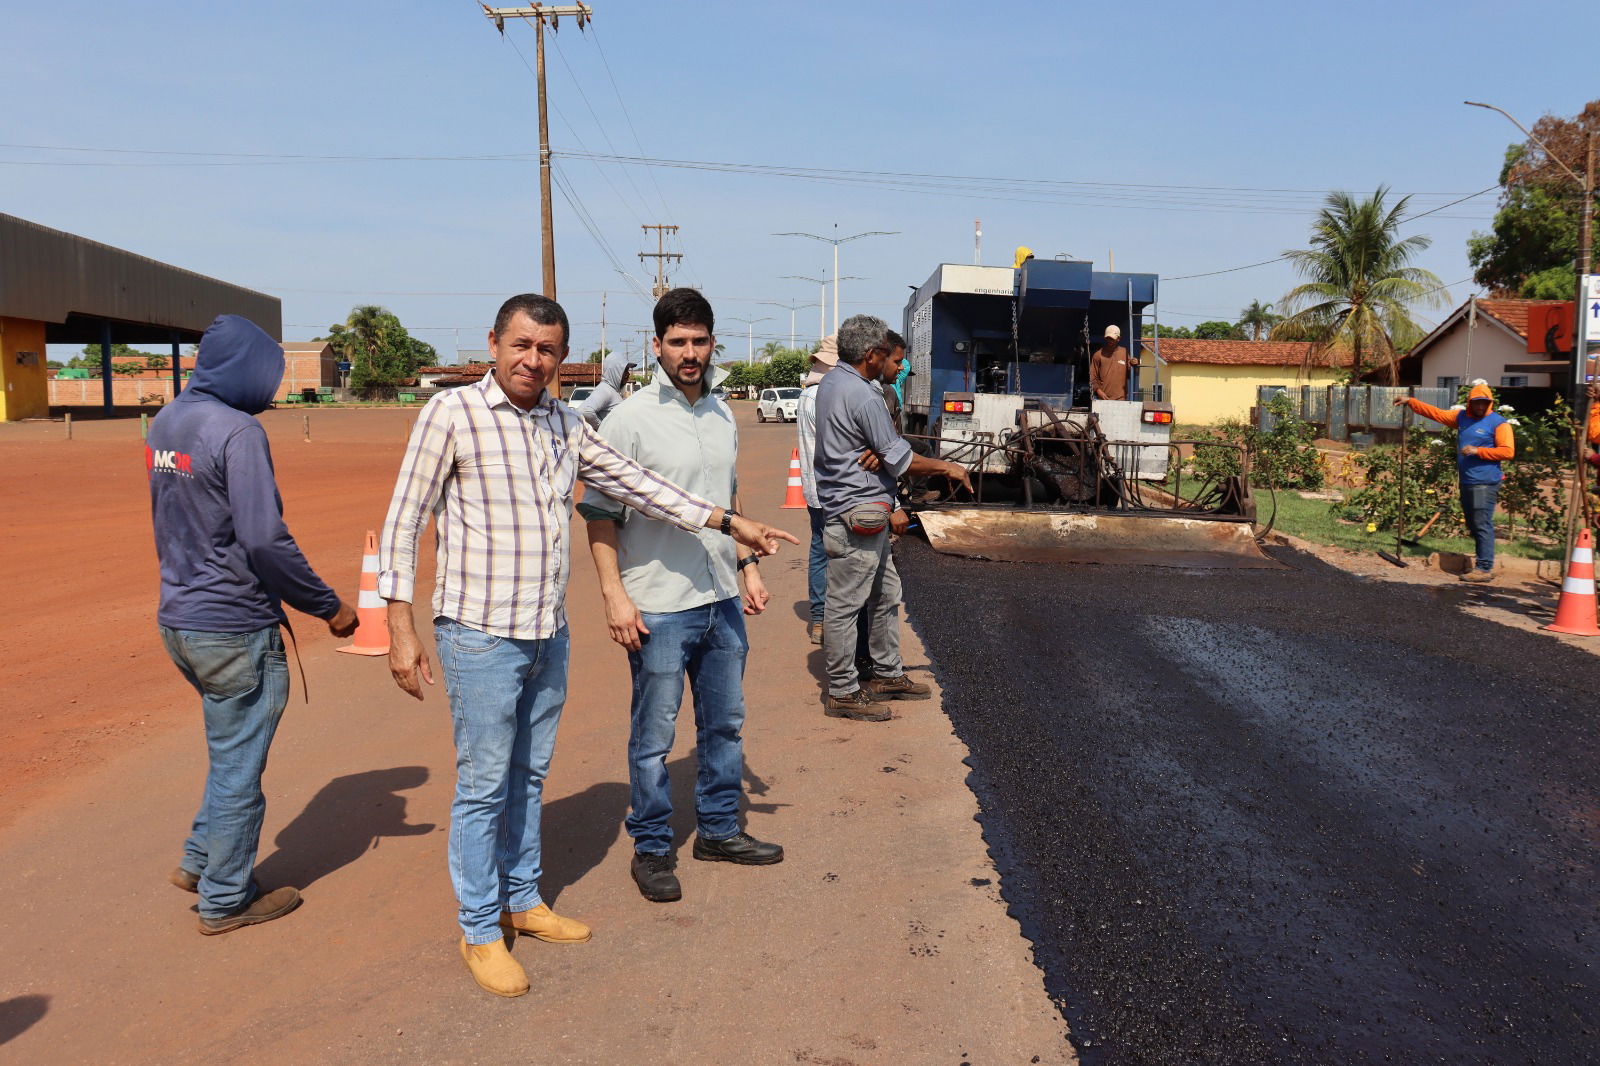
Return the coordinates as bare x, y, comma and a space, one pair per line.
243, 681
506, 697
708, 645
1477, 503
817, 565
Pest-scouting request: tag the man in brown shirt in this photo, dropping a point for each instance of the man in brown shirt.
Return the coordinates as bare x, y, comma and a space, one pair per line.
1108, 370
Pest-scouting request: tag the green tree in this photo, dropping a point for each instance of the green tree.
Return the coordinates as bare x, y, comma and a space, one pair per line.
599, 355
157, 362
1180, 332
1218, 331
1359, 288
90, 356
786, 368
128, 368
378, 347
768, 350
1257, 320
1533, 242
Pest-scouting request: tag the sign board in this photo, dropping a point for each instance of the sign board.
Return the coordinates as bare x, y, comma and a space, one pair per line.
344, 366
1550, 328
1591, 325
978, 280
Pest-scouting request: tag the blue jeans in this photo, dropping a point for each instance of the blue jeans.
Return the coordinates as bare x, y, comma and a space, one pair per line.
708, 643
243, 681
506, 697
1477, 503
817, 565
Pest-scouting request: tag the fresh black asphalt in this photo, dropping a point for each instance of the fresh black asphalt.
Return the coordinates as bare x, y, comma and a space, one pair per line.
1280, 816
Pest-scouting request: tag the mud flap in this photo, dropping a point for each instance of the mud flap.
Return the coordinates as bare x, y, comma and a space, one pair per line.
1032, 536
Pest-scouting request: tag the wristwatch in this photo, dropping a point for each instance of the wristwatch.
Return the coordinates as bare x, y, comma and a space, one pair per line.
728, 515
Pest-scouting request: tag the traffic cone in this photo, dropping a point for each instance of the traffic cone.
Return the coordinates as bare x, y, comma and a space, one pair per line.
796, 497
372, 621
1575, 613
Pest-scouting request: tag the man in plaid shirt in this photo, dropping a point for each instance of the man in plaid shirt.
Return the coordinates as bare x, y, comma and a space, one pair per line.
495, 466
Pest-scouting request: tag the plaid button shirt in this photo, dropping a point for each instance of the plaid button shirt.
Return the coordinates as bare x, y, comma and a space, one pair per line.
498, 481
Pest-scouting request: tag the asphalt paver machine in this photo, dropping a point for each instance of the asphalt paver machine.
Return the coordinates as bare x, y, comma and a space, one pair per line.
999, 382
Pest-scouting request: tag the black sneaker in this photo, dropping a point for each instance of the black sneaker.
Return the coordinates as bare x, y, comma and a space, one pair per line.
741, 848
858, 706
653, 874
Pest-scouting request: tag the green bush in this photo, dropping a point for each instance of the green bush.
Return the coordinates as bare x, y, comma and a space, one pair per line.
1285, 457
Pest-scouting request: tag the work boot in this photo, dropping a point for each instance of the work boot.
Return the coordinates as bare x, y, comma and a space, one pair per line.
814, 632
494, 969
858, 706
545, 924
1478, 577
898, 688
274, 904
653, 874
741, 848
187, 880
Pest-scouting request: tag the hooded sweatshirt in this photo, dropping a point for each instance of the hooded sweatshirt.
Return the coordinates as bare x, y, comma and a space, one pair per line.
226, 557
1489, 437
607, 394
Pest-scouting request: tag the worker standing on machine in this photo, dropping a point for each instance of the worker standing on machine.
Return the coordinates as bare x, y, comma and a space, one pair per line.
1108, 370
1483, 441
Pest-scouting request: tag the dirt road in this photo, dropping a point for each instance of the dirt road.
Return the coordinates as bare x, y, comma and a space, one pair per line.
882, 938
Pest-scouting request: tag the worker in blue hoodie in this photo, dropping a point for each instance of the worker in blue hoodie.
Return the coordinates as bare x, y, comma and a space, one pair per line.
227, 560
607, 394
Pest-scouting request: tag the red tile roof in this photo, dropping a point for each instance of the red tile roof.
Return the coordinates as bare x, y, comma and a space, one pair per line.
1511, 313
571, 373
1238, 353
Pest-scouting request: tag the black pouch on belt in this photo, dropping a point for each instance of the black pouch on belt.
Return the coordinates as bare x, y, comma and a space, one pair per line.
867, 519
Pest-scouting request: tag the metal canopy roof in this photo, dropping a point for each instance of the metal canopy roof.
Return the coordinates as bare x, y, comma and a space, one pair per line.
74, 284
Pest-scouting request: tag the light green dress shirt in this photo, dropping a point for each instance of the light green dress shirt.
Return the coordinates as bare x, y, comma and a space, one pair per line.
666, 569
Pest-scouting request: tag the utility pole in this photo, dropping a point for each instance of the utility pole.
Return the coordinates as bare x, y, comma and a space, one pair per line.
977, 242
602, 326
791, 308
660, 255
538, 13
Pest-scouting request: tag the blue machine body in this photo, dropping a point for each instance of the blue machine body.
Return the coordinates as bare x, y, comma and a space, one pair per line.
959, 328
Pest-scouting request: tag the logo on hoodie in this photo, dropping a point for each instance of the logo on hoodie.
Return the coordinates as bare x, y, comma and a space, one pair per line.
167, 461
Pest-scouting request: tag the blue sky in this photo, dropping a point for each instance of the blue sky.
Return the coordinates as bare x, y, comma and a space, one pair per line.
1276, 104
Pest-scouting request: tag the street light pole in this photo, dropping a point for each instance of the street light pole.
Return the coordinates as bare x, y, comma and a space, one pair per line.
822, 300
791, 308
750, 336
1579, 354
836, 241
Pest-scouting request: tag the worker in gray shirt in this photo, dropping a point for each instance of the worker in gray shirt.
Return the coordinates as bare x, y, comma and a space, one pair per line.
852, 419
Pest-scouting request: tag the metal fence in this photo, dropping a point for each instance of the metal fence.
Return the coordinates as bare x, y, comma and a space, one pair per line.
1340, 410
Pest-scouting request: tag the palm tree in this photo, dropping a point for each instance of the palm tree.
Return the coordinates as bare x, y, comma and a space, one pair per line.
1359, 285
1258, 320
768, 350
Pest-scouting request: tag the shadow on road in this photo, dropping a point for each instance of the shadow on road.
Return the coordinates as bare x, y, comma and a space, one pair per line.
18, 1015
342, 822
578, 831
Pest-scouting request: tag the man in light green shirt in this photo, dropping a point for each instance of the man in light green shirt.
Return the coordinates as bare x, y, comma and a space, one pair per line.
673, 600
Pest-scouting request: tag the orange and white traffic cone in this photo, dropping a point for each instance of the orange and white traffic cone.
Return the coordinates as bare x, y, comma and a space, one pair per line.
1575, 613
372, 619
796, 497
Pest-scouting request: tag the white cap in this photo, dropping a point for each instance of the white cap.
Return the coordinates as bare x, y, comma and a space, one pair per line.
1114, 333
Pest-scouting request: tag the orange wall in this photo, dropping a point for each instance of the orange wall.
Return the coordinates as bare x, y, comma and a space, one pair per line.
24, 389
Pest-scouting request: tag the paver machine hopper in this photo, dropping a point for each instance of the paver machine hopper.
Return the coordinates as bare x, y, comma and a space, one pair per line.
999, 382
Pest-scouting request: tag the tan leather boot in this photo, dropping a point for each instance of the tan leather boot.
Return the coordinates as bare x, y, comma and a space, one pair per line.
545, 924
494, 969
